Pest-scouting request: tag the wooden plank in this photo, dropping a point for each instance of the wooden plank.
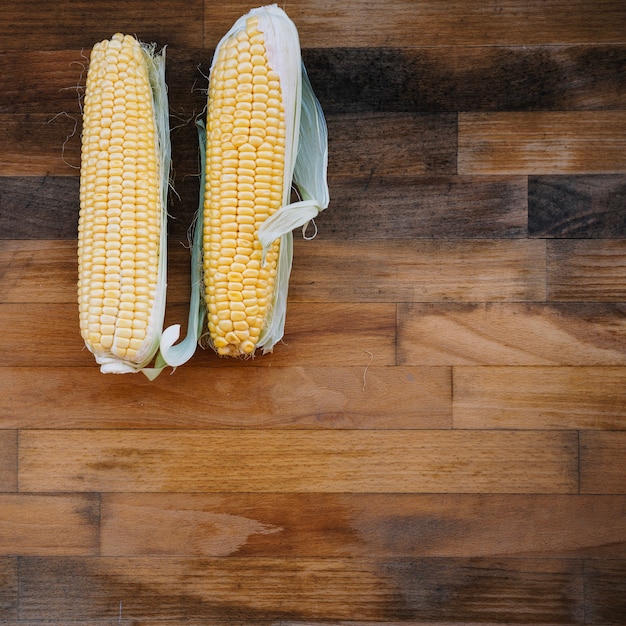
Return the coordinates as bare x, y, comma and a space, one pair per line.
342, 334
39, 144
38, 207
23, 28
586, 270
605, 591
8, 460
8, 588
276, 397
578, 207
262, 590
298, 461
419, 207
549, 142
59, 525
419, 271
323, 271
433, 23
511, 334
405, 144
602, 465
363, 525
540, 397
455, 78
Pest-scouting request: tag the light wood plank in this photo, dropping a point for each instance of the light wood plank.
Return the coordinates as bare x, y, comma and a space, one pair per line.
605, 591
548, 142
577, 207
602, 462
540, 397
298, 461
420, 271
8, 460
342, 334
433, 23
22, 26
363, 525
511, 334
59, 525
586, 270
262, 590
8, 588
193, 397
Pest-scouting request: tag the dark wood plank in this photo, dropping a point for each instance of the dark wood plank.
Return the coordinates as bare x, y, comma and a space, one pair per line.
8, 588
276, 397
38, 144
22, 26
419, 271
363, 525
547, 142
260, 590
602, 462
433, 23
368, 145
417, 207
512, 334
454, 78
38, 207
59, 525
288, 461
605, 591
578, 207
540, 397
8, 460
586, 270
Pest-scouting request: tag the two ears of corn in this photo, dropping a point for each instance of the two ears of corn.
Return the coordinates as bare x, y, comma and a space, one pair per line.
264, 134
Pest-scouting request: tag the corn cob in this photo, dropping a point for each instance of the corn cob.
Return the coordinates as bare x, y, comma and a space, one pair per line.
265, 130
123, 193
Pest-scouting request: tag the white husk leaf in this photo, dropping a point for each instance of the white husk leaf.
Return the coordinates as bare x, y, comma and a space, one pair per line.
110, 364
305, 124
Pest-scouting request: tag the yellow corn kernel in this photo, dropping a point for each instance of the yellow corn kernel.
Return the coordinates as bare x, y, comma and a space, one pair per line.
236, 129
120, 222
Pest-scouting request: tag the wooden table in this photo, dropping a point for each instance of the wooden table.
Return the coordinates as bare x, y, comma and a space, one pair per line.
441, 437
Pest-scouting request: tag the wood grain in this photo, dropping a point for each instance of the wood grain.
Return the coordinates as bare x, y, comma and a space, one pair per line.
605, 590
71, 25
220, 590
8, 460
421, 207
363, 525
547, 142
577, 207
602, 465
540, 397
8, 588
433, 23
311, 336
309, 461
420, 271
512, 334
65, 525
586, 270
194, 397
453, 78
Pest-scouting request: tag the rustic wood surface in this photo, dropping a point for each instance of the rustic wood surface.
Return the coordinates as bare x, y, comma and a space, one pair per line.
441, 436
